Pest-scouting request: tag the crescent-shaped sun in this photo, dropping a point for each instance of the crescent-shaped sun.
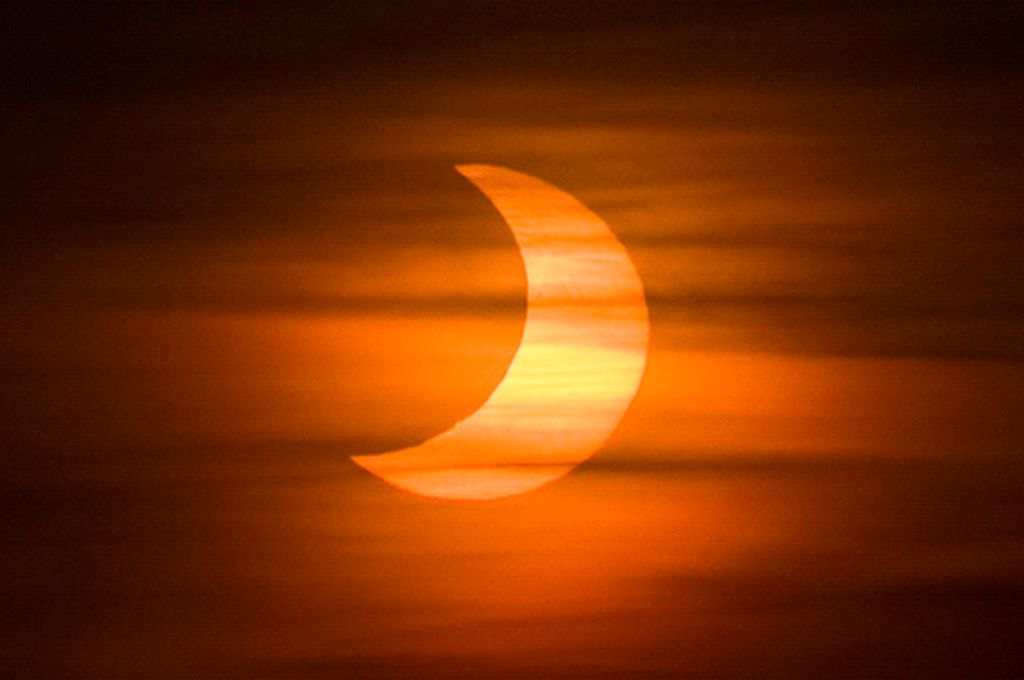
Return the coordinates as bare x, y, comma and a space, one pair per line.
578, 366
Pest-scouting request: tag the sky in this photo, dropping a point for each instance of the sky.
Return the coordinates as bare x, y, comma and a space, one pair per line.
236, 252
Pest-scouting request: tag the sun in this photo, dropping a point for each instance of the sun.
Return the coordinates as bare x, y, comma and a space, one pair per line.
577, 368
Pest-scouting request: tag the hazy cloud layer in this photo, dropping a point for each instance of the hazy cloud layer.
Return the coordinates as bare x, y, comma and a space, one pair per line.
235, 251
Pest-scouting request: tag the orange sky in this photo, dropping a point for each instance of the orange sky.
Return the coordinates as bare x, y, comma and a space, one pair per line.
237, 252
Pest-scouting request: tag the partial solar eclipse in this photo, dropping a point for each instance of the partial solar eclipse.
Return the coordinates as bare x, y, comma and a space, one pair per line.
578, 366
